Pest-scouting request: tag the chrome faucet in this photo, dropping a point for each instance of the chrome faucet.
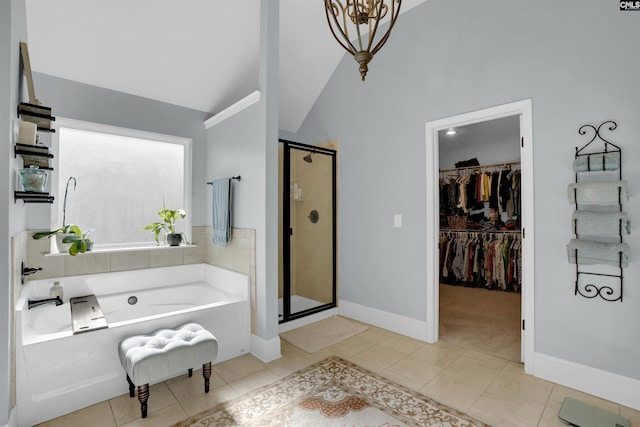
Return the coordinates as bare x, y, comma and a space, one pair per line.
38, 302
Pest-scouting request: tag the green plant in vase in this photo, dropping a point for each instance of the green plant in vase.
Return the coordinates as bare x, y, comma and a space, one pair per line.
168, 224
80, 242
72, 235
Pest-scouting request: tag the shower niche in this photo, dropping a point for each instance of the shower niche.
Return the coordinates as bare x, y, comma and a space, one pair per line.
307, 261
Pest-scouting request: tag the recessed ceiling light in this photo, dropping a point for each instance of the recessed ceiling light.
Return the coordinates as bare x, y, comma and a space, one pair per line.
451, 131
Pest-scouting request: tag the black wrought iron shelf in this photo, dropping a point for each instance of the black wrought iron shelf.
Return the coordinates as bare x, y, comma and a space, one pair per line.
32, 197
38, 114
30, 154
593, 290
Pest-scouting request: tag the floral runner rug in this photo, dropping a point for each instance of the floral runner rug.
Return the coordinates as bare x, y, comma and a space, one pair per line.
332, 392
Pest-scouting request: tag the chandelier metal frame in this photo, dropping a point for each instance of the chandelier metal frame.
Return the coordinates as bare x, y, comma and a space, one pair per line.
360, 19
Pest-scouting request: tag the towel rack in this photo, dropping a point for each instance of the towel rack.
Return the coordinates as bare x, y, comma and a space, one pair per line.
236, 178
592, 290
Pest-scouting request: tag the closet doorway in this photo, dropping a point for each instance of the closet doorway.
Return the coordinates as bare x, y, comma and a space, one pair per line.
460, 308
308, 275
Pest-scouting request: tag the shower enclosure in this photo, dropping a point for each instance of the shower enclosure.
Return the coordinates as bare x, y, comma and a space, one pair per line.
307, 280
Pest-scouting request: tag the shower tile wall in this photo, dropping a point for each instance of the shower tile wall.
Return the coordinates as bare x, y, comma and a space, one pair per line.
312, 241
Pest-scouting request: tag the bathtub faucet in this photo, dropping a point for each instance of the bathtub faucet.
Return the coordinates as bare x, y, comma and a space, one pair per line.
38, 302
26, 271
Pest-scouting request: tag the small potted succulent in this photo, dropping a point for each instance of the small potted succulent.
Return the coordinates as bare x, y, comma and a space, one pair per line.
168, 224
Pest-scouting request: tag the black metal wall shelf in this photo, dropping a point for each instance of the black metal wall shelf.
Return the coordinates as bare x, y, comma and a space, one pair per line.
30, 154
31, 197
38, 114
606, 162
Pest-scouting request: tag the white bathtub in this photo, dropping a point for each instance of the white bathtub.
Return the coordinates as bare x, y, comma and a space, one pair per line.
58, 372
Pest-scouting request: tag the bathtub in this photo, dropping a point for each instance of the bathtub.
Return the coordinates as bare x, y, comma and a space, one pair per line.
58, 372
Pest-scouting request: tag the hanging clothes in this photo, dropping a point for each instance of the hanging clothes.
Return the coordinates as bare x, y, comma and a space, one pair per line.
489, 199
490, 260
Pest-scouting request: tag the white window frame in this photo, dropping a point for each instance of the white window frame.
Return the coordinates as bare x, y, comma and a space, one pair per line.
61, 122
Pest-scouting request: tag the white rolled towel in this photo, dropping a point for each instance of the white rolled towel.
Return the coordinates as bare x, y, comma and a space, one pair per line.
597, 162
598, 193
600, 223
598, 253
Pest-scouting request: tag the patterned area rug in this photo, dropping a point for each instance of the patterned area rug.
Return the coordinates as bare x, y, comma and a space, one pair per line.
333, 392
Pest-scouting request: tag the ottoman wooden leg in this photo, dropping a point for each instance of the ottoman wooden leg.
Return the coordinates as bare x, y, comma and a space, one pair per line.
206, 373
132, 391
143, 396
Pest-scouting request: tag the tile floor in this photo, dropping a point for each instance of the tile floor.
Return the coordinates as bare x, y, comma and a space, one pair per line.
492, 389
481, 319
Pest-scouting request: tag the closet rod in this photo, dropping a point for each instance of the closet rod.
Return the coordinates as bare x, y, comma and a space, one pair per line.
457, 230
479, 167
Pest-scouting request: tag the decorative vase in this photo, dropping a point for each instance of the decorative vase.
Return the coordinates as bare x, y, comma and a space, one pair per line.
62, 247
174, 239
34, 180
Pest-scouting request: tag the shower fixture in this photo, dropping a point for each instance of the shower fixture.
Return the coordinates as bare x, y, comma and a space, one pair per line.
308, 158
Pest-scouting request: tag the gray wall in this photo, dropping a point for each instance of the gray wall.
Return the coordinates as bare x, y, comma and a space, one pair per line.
575, 61
74, 100
246, 144
13, 30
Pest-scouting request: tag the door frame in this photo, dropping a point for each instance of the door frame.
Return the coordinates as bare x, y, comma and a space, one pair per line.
522, 108
287, 315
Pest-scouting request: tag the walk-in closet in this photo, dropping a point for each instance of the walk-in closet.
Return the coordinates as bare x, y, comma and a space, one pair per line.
480, 246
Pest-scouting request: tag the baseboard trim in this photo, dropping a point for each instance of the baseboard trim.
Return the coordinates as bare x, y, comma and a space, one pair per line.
265, 350
606, 385
394, 322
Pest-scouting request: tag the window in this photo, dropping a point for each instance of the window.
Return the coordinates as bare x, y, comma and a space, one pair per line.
123, 177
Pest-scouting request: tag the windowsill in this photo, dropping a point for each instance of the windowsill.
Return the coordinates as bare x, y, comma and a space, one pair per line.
124, 249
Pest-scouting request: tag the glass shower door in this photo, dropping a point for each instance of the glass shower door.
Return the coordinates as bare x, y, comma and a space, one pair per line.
309, 230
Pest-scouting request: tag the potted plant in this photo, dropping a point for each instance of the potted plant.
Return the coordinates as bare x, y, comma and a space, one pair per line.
168, 224
79, 241
69, 238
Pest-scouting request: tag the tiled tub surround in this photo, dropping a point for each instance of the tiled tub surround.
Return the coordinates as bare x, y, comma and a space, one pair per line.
59, 372
239, 256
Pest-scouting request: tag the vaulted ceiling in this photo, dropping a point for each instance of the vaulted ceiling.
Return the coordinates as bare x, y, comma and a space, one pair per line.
200, 54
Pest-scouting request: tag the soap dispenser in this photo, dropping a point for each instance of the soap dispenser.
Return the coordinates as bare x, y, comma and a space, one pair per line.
56, 290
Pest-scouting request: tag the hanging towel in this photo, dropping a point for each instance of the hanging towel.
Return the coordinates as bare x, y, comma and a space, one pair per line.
222, 212
594, 162
598, 253
598, 193
600, 223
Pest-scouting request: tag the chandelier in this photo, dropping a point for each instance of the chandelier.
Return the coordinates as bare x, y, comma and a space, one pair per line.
358, 20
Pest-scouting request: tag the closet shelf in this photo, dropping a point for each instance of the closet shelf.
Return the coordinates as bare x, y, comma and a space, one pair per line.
479, 168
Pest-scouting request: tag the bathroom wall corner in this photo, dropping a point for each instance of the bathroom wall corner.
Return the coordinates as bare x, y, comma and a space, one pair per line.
18, 254
239, 256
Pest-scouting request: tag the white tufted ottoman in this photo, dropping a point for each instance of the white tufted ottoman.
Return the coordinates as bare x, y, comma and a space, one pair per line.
167, 352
